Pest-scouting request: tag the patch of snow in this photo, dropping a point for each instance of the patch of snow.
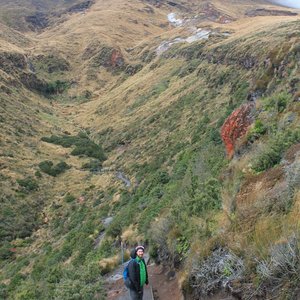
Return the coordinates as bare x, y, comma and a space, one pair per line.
199, 35
164, 46
172, 19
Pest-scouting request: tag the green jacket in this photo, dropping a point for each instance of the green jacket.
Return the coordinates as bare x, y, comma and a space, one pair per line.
137, 273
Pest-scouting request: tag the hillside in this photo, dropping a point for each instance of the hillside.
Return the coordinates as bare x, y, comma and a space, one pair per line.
169, 123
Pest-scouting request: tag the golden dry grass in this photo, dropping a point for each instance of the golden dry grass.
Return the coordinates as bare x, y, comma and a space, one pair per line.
108, 264
131, 236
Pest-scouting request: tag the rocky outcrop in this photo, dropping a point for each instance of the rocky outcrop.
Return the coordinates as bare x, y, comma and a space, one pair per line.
133, 69
236, 126
49, 63
21, 71
117, 59
10, 61
32, 82
109, 58
269, 12
80, 7
37, 21
210, 12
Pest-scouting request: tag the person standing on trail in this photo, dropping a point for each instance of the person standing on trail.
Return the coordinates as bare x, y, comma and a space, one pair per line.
137, 273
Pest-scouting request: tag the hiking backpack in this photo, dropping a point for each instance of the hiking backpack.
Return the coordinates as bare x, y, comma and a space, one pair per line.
126, 278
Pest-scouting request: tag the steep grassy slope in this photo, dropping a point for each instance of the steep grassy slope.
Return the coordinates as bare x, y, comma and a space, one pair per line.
87, 107
30, 15
183, 175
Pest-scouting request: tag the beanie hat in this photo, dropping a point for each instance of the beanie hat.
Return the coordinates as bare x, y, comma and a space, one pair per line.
139, 248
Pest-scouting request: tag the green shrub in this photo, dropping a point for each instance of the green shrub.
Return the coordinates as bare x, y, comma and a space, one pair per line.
69, 289
66, 251
55, 274
259, 127
5, 251
240, 90
60, 167
205, 197
189, 68
83, 145
192, 51
84, 248
106, 249
272, 153
16, 280
3, 291
56, 87
38, 174
182, 246
28, 184
277, 102
161, 177
200, 129
26, 294
48, 167
257, 130
69, 198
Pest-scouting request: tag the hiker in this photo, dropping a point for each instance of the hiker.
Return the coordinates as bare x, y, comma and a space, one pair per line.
137, 273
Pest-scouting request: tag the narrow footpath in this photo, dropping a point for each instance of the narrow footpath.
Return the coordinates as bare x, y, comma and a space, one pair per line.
161, 286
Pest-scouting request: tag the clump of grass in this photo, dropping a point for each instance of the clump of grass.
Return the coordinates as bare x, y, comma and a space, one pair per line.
108, 264
69, 198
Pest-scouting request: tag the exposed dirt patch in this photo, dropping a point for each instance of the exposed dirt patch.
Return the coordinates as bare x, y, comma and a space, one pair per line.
259, 194
291, 153
164, 284
254, 186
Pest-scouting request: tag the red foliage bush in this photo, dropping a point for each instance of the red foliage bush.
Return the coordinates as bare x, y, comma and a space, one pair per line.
236, 126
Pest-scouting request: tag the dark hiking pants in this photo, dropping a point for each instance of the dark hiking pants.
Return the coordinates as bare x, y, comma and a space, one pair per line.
134, 295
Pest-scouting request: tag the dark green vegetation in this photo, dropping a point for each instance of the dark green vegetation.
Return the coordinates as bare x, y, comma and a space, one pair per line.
83, 145
48, 167
56, 87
